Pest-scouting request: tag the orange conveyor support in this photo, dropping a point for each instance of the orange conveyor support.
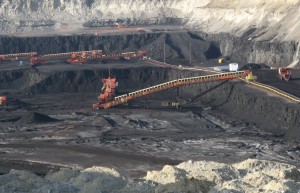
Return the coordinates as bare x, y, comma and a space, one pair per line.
167, 85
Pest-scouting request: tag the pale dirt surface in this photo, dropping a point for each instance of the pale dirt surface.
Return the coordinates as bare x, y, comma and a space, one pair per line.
249, 176
258, 19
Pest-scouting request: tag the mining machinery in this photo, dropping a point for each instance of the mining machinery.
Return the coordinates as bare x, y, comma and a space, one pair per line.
96, 56
221, 60
3, 100
107, 99
18, 56
73, 57
120, 25
108, 91
285, 73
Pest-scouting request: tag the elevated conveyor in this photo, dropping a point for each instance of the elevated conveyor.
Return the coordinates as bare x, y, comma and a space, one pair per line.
17, 56
246, 79
274, 90
167, 85
73, 57
166, 65
69, 54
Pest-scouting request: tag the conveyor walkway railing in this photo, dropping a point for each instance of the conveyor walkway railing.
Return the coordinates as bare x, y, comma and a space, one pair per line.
125, 55
18, 55
163, 64
274, 90
167, 85
254, 83
69, 54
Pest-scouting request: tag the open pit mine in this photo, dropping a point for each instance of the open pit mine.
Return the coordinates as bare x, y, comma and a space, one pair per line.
161, 96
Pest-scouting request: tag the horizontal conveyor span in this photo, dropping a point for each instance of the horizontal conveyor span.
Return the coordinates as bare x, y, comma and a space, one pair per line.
18, 55
68, 54
167, 85
274, 90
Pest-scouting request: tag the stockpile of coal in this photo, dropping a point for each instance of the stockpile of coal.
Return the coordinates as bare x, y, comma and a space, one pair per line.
34, 117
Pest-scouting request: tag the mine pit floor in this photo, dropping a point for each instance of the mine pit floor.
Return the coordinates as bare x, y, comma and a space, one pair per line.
44, 132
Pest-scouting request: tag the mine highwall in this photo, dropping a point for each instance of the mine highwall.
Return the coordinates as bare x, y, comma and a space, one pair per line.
177, 45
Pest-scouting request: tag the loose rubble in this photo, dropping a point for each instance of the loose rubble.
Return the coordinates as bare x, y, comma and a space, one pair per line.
249, 176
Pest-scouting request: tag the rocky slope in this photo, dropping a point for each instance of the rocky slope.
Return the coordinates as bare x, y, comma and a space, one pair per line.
262, 19
249, 176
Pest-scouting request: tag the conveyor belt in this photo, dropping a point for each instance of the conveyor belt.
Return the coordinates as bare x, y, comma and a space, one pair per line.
254, 83
274, 90
167, 85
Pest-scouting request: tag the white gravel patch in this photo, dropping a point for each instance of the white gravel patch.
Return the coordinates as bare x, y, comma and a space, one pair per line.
249, 176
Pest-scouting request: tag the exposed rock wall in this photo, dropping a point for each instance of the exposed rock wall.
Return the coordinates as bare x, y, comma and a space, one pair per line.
204, 46
246, 50
261, 19
56, 44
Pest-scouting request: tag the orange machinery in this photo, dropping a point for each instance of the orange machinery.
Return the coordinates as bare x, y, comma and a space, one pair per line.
107, 99
109, 89
85, 56
131, 55
75, 57
3, 100
285, 73
120, 25
36, 59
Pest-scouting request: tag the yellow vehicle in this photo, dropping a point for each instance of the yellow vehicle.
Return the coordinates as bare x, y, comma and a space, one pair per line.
221, 60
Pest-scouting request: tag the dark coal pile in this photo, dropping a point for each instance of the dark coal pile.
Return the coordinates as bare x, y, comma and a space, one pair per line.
34, 117
271, 78
17, 104
254, 67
